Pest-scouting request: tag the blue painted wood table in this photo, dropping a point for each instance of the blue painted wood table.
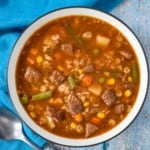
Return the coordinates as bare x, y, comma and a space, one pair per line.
136, 14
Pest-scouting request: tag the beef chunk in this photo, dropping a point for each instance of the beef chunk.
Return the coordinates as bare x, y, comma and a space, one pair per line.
32, 75
90, 129
119, 108
56, 114
126, 54
67, 48
74, 103
108, 97
88, 69
57, 77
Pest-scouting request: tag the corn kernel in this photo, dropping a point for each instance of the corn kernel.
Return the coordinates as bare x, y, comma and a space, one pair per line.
80, 71
130, 79
39, 59
111, 122
119, 93
60, 68
127, 93
101, 115
111, 81
86, 104
32, 114
73, 125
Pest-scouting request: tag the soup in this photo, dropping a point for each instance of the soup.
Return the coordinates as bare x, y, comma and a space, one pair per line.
77, 77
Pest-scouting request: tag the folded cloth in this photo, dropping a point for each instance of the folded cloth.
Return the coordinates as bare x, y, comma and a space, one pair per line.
15, 16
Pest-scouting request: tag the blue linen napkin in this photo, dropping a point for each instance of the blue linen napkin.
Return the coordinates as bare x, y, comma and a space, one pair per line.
15, 16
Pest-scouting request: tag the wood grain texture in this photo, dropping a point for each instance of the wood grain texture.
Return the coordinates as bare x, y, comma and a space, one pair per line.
136, 14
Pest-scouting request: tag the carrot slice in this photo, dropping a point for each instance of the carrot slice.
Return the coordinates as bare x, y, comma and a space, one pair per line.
57, 102
87, 80
78, 117
95, 120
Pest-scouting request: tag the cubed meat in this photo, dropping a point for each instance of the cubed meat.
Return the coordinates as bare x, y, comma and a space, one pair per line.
119, 108
67, 48
90, 129
74, 104
89, 69
108, 97
32, 75
57, 77
55, 113
126, 54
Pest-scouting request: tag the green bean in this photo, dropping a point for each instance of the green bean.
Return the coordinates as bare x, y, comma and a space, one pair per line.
42, 96
134, 73
74, 35
24, 100
71, 82
115, 74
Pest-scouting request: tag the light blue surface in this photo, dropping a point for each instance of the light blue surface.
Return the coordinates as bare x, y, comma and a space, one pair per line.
135, 13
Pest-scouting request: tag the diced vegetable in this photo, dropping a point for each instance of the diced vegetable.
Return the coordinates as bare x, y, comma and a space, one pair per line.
33, 114
56, 102
134, 73
102, 40
87, 35
39, 59
71, 82
74, 35
87, 80
60, 68
73, 125
111, 122
86, 103
95, 120
42, 96
101, 80
30, 60
33, 51
111, 81
96, 51
119, 93
50, 122
95, 89
127, 93
24, 100
78, 117
130, 79
101, 115
114, 74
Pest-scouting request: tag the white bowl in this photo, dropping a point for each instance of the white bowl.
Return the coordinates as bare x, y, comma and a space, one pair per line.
87, 12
